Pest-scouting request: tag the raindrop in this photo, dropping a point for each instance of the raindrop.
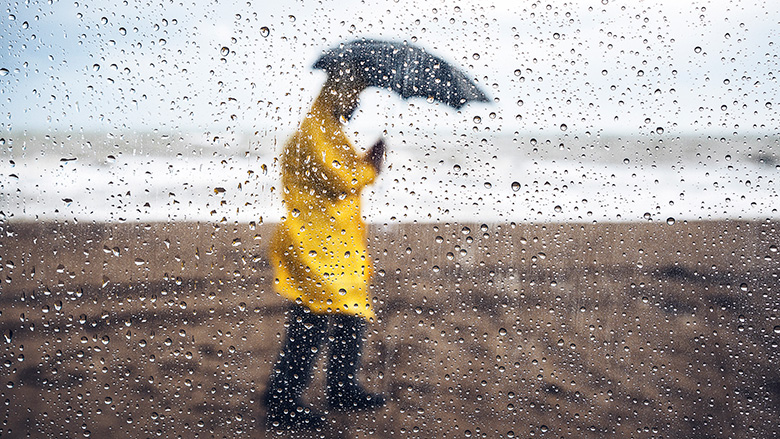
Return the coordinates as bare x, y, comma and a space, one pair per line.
777, 329
670, 221
477, 119
558, 209
488, 185
515, 186
3, 72
264, 32
697, 49
224, 51
564, 127
465, 231
95, 67
475, 56
659, 130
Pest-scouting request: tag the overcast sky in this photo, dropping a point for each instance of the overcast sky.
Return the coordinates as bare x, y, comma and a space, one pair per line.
632, 67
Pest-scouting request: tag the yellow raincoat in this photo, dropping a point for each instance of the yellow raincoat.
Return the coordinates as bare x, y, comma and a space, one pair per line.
319, 250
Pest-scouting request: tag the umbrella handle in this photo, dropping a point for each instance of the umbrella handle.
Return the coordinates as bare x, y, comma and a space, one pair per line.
376, 155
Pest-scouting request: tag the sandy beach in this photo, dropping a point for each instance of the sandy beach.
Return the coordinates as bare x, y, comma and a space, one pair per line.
649, 329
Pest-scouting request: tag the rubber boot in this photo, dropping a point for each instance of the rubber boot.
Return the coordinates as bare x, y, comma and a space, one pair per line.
344, 393
292, 372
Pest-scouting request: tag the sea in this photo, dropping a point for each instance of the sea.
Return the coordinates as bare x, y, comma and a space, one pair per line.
472, 177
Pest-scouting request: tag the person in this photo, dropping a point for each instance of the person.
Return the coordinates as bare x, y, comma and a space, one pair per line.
320, 258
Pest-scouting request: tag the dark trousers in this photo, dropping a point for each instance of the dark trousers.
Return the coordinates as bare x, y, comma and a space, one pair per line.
306, 333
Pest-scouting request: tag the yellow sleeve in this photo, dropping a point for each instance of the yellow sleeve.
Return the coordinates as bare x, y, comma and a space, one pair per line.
337, 163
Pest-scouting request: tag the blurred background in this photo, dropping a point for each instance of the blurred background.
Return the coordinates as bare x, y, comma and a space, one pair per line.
601, 110
594, 253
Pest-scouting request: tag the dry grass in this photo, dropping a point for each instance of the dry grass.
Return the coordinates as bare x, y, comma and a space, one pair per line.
552, 330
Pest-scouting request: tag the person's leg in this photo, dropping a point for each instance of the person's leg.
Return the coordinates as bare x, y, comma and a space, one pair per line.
344, 392
292, 372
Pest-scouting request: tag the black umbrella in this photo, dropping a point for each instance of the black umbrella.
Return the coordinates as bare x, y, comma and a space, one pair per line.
404, 68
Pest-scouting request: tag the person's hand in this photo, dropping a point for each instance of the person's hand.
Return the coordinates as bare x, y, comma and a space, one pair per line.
376, 155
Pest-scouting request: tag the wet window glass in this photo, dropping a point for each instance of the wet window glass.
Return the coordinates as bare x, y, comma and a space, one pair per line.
392, 219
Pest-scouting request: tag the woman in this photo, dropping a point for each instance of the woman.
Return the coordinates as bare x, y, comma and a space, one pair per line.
321, 261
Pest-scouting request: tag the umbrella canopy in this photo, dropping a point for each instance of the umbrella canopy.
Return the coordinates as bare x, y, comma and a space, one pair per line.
404, 68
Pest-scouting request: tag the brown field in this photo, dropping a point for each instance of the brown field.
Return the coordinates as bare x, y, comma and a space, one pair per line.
548, 330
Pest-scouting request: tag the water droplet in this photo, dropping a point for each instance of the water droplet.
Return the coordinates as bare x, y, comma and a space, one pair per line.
777, 329
465, 230
670, 221
564, 127
477, 119
558, 209
488, 185
3, 72
313, 253
475, 56
224, 51
342, 291
518, 72
697, 49
139, 261
515, 186
95, 67
264, 32
659, 130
